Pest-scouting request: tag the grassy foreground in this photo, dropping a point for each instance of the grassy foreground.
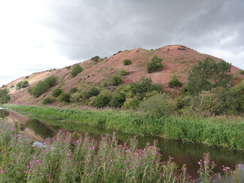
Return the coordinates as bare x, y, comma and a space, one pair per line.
211, 131
65, 160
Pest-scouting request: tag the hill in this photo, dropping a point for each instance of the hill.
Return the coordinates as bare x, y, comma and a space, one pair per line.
176, 59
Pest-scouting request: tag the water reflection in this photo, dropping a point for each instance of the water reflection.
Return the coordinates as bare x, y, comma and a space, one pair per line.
183, 153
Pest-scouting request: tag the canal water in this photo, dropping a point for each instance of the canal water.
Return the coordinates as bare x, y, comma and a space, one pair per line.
182, 152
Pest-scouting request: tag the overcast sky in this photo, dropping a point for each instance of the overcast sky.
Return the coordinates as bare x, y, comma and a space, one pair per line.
37, 35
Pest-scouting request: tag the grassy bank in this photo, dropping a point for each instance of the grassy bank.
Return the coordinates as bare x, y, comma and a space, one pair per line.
65, 160
210, 131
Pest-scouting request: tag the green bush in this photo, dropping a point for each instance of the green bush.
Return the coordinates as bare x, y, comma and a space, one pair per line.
73, 90
64, 97
127, 62
154, 65
131, 103
117, 100
242, 72
22, 84
4, 96
56, 92
158, 105
174, 82
76, 70
116, 80
42, 86
102, 100
123, 72
95, 59
93, 91
48, 100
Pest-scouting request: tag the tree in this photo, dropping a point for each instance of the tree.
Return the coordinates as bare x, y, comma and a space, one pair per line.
154, 65
208, 74
4, 96
76, 70
95, 59
22, 84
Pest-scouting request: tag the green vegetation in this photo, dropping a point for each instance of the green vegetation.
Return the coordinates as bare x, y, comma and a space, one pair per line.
154, 65
22, 84
123, 72
65, 159
56, 92
127, 62
42, 86
116, 80
48, 100
4, 96
242, 72
64, 97
174, 82
208, 74
76, 70
222, 132
95, 59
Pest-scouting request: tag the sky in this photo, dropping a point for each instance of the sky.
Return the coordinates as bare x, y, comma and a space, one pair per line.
38, 35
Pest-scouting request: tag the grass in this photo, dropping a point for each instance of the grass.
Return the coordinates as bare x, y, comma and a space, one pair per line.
211, 131
66, 159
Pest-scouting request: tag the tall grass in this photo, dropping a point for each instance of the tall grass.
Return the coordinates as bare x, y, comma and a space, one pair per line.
65, 160
210, 131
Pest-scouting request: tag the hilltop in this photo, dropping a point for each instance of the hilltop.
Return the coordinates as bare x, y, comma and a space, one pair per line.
177, 59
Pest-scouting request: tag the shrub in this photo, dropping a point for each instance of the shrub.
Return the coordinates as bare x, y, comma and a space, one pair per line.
102, 100
64, 97
48, 100
73, 90
116, 80
158, 105
117, 100
76, 70
127, 62
242, 72
103, 83
154, 65
22, 84
123, 73
42, 86
93, 91
95, 59
131, 103
56, 92
4, 96
174, 82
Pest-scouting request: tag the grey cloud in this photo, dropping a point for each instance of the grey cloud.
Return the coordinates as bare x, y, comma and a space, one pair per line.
87, 28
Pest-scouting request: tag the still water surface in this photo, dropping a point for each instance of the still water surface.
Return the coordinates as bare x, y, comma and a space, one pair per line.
182, 152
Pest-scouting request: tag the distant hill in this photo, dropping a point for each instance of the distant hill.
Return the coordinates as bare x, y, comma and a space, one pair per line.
176, 59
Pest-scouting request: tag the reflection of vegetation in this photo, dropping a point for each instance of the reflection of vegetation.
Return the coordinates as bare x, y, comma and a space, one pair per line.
39, 128
3, 113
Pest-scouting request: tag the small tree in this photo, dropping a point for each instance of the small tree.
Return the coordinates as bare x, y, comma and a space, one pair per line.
174, 82
127, 62
76, 70
4, 96
95, 59
22, 84
93, 91
154, 65
117, 100
56, 92
102, 100
64, 97
116, 80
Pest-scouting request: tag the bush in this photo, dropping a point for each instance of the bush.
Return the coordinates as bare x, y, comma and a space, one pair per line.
117, 100
22, 84
73, 90
158, 105
123, 73
76, 70
127, 62
116, 80
174, 82
155, 65
64, 97
48, 100
42, 86
242, 72
56, 92
93, 91
4, 96
95, 59
131, 103
102, 100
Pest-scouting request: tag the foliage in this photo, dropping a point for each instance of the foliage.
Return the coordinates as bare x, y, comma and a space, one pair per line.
127, 62
131, 103
117, 100
174, 82
154, 65
102, 100
73, 90
158, 105
95, 59
76, 70
242, 72
116, 80
56, 92
93, 91
42, 86
48, 100
64, 97
4, 96
123, 72
208, 74
22, 84
238, 95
